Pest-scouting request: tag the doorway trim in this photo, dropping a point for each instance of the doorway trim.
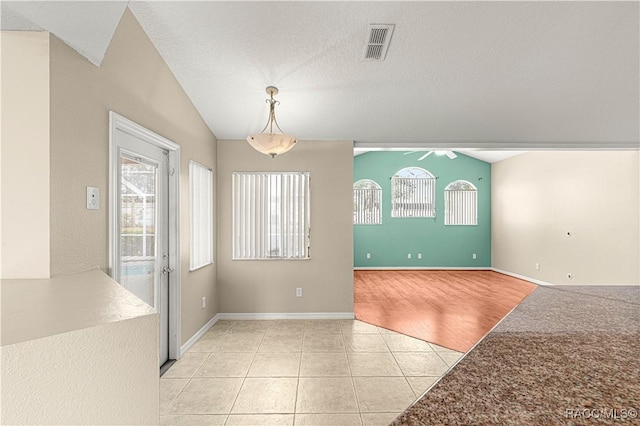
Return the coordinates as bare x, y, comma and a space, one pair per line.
118, 122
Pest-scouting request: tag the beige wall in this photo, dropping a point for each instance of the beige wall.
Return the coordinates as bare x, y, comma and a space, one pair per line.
538, 197
100, 375
133, 81
77, 349
268, 286
24, 194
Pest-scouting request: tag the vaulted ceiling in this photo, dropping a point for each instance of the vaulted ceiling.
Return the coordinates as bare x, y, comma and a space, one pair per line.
478, 75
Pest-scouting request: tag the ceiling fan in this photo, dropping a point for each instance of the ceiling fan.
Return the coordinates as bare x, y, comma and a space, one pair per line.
449, 154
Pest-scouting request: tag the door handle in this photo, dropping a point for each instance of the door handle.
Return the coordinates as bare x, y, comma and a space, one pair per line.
167, 270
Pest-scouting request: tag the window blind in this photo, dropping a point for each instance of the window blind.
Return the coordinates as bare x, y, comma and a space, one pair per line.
201, 211
413, 196
461, 207
367, 203
271, 215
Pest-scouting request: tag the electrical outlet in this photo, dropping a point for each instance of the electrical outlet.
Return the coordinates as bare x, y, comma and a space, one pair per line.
299, 292
93, 198
537, 266
204, 302
408, 255
474, 256
368, 255
419, 255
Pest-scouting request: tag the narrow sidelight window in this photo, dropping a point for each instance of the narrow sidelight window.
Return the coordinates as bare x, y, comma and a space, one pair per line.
201, 211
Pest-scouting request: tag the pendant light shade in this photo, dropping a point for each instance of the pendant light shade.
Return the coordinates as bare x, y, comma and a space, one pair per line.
267, 141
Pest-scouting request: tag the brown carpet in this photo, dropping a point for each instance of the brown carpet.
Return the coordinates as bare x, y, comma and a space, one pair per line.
563, 357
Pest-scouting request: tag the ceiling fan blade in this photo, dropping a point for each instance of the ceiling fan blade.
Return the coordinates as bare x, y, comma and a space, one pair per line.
451, 155
425, 155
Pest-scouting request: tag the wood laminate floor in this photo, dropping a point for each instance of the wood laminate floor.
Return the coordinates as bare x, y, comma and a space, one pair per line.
454, 309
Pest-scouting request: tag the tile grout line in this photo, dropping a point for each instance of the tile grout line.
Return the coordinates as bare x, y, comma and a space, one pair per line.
235, 400
404, 375
445, 363
295, 402
226, 420
189, 379
166, 413
353, 383
306, 333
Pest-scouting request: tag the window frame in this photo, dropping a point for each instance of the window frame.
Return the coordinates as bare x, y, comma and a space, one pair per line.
429, 208
200, 213
376, 194
461, 194
258, 246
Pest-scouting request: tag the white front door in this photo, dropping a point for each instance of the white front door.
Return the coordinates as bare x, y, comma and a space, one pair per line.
141, 258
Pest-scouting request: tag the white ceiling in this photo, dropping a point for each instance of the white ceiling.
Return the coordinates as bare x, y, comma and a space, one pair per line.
489, 156
490, 75
87, 26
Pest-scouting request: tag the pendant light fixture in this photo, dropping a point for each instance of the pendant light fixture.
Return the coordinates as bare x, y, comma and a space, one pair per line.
268, 142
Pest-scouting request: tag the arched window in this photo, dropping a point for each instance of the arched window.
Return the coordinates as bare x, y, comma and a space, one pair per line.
460, 203
413, 192
367, 203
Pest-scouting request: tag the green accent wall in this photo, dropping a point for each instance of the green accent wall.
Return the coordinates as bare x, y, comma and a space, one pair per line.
440, 245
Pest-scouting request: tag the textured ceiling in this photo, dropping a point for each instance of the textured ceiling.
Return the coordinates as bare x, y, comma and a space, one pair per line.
489, 156
87, 26
466, 73
493, 75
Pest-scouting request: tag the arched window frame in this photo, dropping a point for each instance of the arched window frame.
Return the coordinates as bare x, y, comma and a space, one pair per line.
413, 193
367, 202
461, 203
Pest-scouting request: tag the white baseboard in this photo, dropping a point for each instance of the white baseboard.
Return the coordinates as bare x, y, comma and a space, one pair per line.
422, 268
187, 345
539, 282
286, 315
522, 277
454, 268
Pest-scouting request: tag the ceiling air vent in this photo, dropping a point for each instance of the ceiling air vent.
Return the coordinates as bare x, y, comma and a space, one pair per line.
377, 42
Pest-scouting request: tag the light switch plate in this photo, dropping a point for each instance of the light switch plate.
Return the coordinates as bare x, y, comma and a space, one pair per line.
93, 198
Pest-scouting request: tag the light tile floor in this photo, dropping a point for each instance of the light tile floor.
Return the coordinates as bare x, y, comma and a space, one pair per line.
295, 372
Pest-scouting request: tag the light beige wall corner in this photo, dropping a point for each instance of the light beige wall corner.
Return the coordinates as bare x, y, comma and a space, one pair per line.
134, 81
268, 286
99, 375
538, 197
24, 141
77, 349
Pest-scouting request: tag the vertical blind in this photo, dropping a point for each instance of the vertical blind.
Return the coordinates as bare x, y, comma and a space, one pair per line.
367, 206
270, 215
201, 210
461, 207
413, 196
